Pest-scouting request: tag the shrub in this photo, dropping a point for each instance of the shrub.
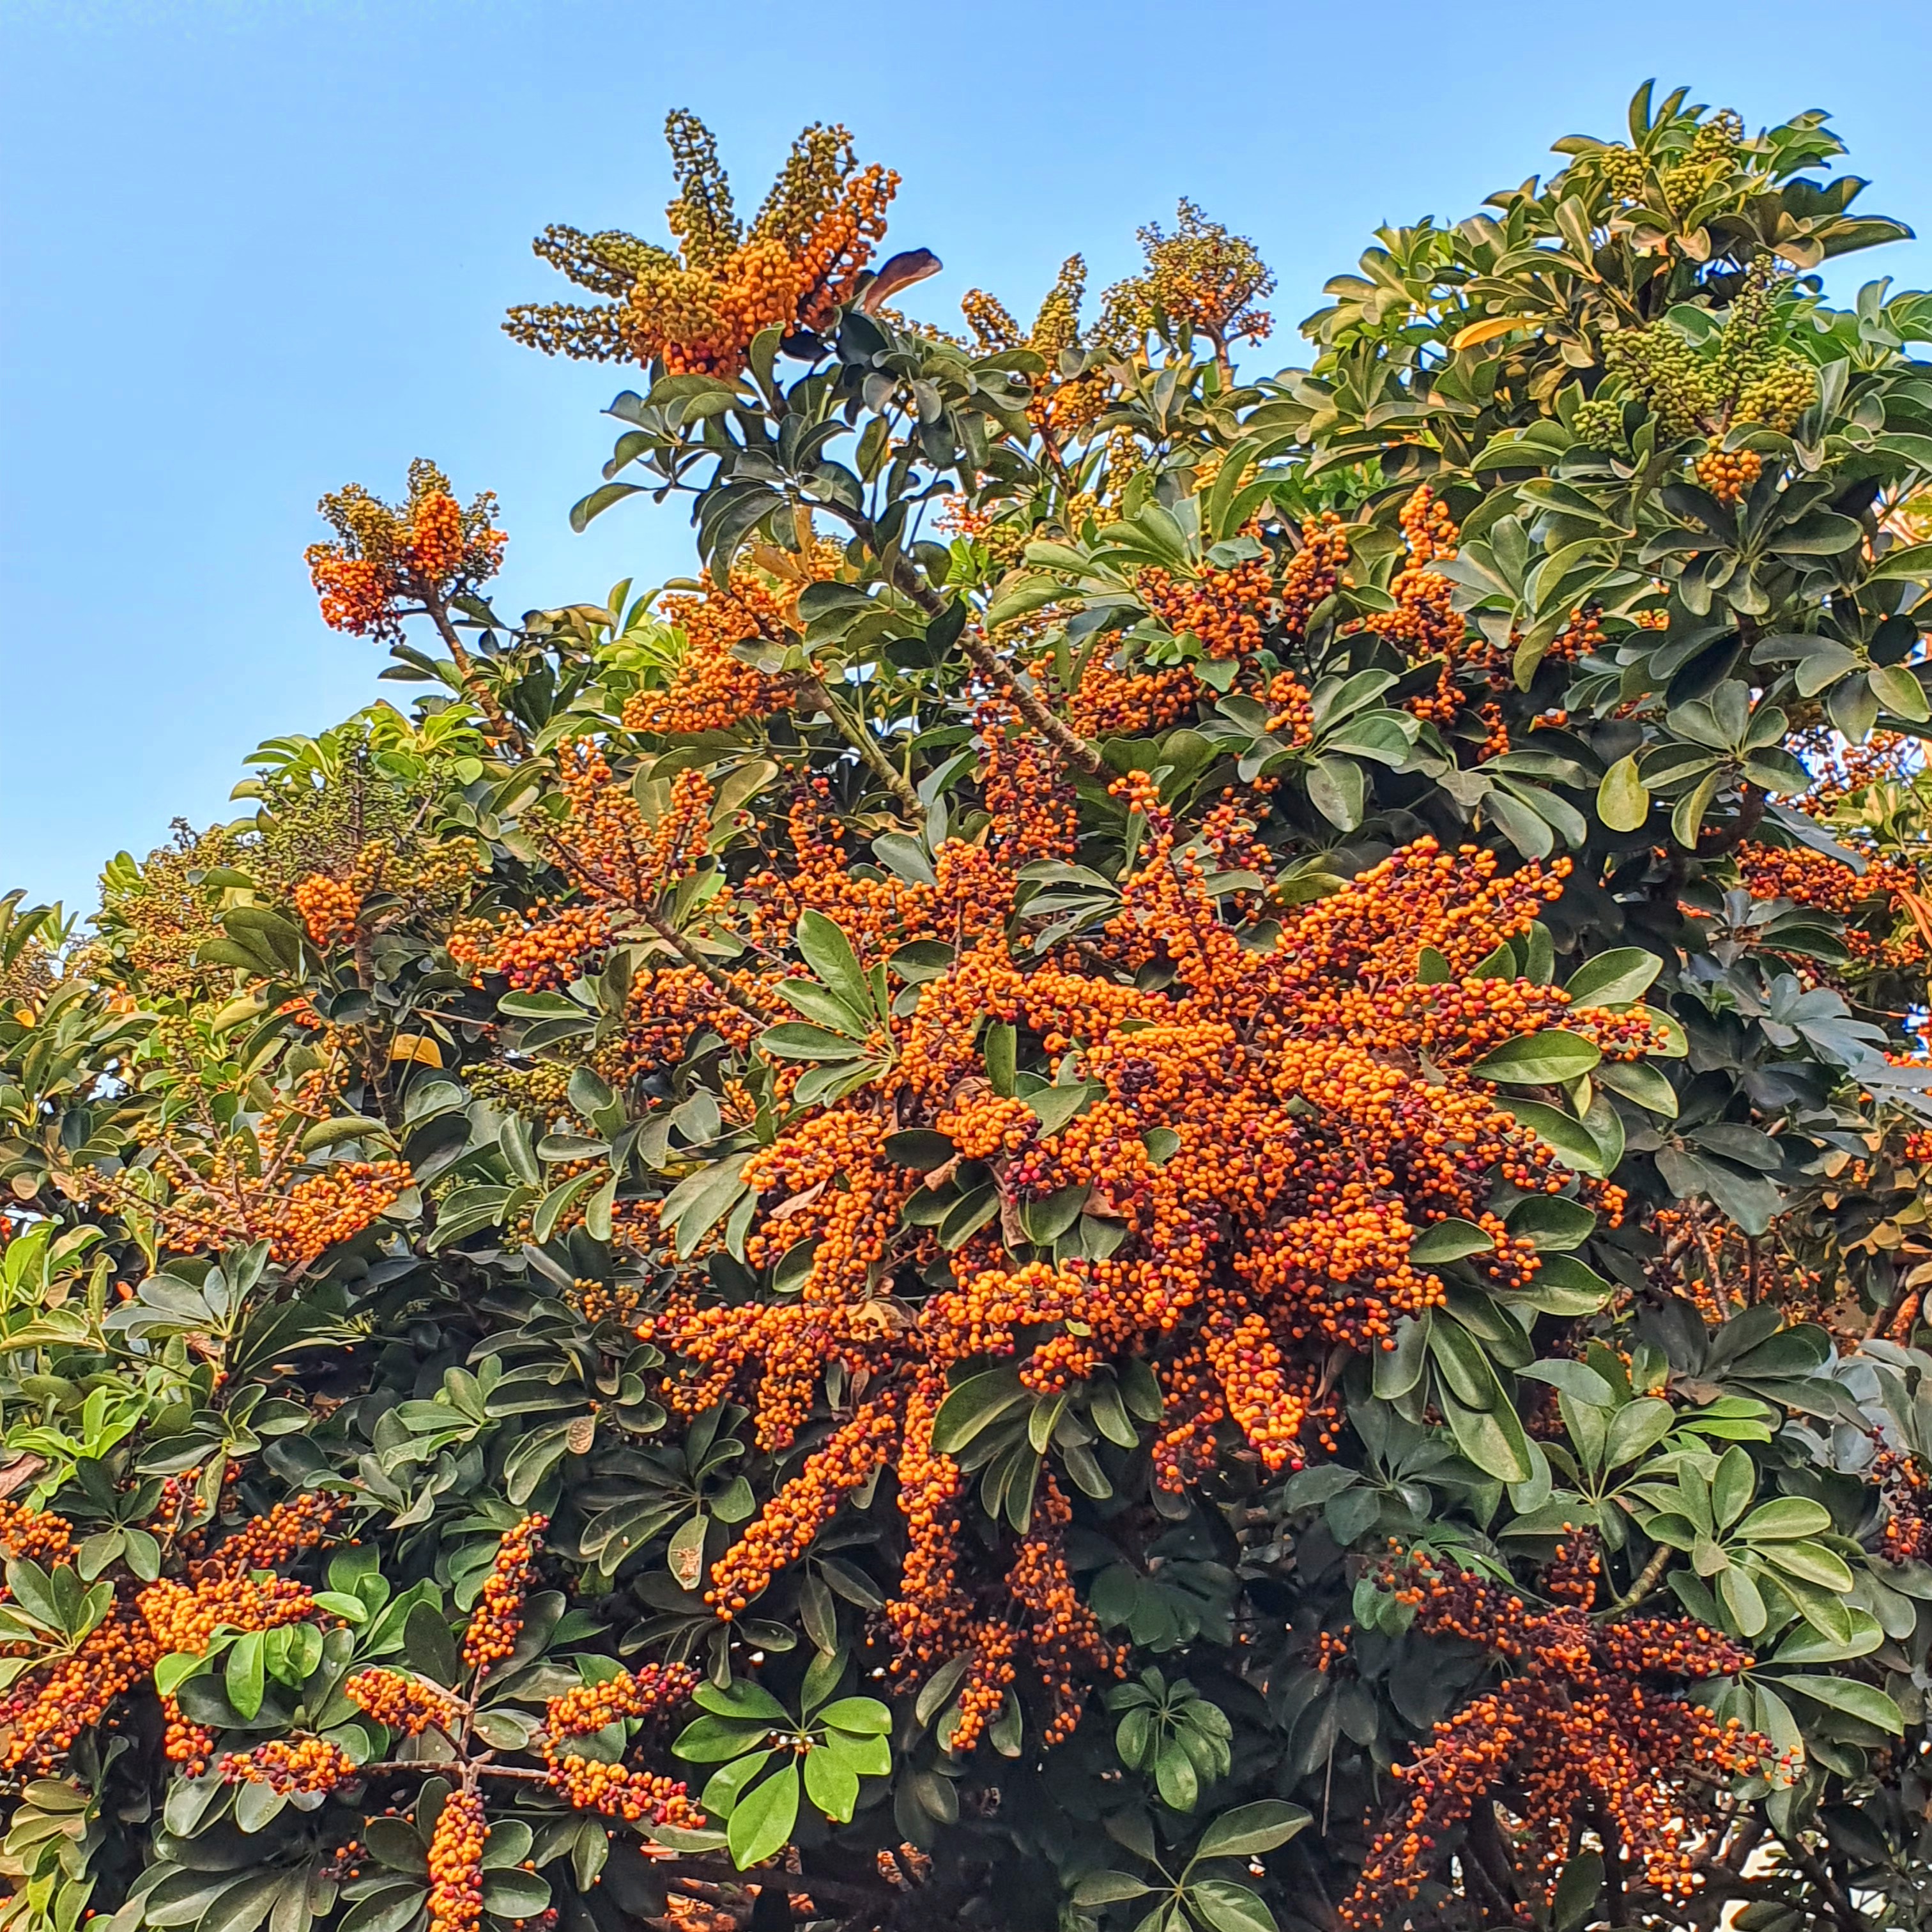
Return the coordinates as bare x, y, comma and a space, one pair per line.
1163, 1170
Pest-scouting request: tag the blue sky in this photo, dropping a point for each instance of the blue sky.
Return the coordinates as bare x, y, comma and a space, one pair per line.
253, 249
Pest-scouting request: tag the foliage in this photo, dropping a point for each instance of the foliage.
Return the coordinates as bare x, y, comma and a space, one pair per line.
1164, 1171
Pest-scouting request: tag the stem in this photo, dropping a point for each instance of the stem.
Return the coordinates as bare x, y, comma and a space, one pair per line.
473, 680
1647, 1579
1848, 1916
712, 970
862, 742
908, 579
1070, 744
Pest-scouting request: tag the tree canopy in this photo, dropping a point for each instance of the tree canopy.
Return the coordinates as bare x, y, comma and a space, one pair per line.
1163, 1170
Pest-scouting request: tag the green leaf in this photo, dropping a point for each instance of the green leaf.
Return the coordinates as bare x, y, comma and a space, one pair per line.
1865, 1702
1618, 978
1570, 1137
1225, 1906
713, 1740
725, 1785
762, 1819
172, 1669
1054, 1106
1555, 1224
1623, 801
1109, 1887
684, 1555
1785, 1520
792, 1040
1552, 1058
243, 1676
1492, 1438
831, 1784
1002, 1048
1809, 1563
1397, 1370
865, 1716
1175, 1777
1637, 1080
1449, 1241
1636, 1429
974, 1406
825, 1008
1686, 816
1577, 1891
1250, 1829
1898, 690
923, 1148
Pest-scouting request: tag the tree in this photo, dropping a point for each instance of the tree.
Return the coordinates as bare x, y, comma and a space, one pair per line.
1164, 1171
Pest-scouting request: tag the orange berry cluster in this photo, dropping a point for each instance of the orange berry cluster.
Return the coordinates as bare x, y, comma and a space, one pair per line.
456, 1848
387, 562
184, 1617
1312, 572
329, 907
698, 310
333, 1206
290, 1528
1809, 878
612, 1791
1025, 788
1842, 770
1200, 277
498, 1619
791, 1521
404, 1704
609, 838
46, 1710
1425, 623
36, 1534
1907, 1534
1591, 1720
1112, 702
1729, 473
285, 1764
1291, 713
1221, 607
615, 1790
545, 949
1303, 1150
648, 1693
711, 689
1309, 1157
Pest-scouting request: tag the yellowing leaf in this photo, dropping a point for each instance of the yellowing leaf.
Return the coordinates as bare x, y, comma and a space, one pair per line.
1480, 332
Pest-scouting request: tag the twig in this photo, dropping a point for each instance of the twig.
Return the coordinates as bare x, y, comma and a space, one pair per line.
908, 578
862, 742
1847, 1915
507, 729
983, 659
1647, 1579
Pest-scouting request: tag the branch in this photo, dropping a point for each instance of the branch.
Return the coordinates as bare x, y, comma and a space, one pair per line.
1647, 1579
1847, 1915
862, 742
908, 578
981, 656
710, 968
506, 728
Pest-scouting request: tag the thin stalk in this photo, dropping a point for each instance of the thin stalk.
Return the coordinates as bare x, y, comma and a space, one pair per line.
862, 742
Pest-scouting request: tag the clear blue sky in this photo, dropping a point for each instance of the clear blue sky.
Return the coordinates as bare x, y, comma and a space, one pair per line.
255, 248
